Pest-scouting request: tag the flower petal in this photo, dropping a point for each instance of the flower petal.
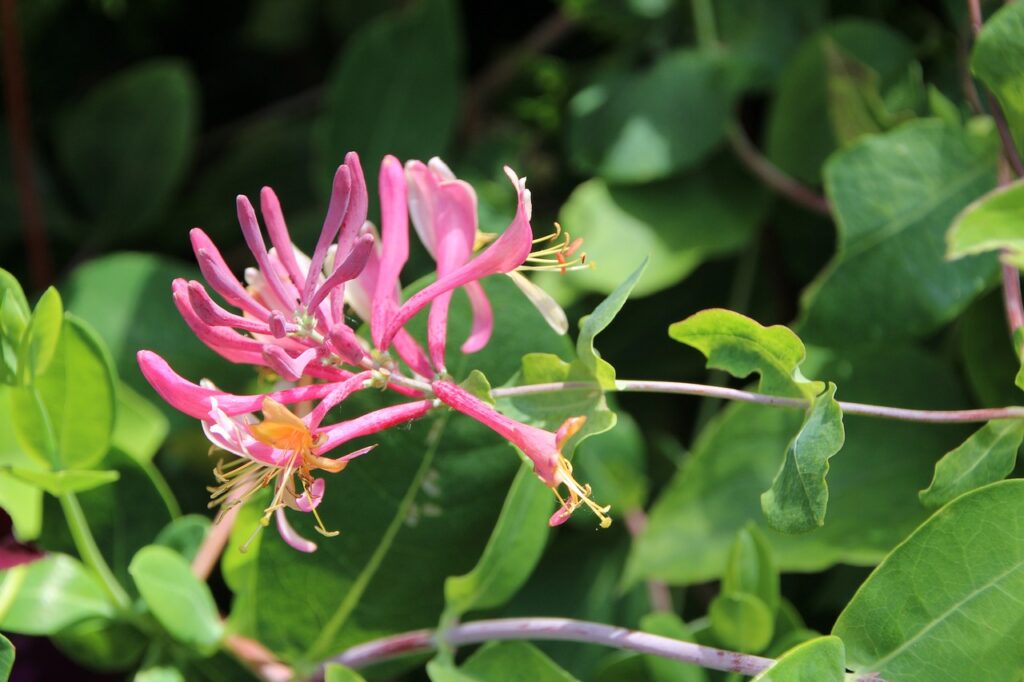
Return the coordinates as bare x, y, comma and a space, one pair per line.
290, 535
483, 319
341, 190
394, 248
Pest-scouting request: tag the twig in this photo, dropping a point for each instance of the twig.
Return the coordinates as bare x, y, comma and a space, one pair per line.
216, 540
657, 591
562, 630
20, 130
540, 39
771, 175
683, 388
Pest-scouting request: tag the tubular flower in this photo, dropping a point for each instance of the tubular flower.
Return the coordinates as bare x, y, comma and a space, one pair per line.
542, 447
280, 448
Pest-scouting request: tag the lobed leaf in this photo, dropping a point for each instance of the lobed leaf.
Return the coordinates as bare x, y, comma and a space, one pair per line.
987, 456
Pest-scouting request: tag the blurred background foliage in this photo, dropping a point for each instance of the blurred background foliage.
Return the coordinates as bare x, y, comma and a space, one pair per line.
148, 117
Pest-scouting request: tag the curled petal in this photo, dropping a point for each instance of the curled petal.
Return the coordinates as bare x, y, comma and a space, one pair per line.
290, 535
341, 189
215, 316
281, 297
394, 248
226, 342
507, 253
341, 391
220, 277
311, 497
437, 329
347, 270
483, 319
290, 368
548, 307
358, 204
270, 207
412, 353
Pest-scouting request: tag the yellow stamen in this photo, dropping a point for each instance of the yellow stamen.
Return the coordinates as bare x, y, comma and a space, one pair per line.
579, 494
557, 256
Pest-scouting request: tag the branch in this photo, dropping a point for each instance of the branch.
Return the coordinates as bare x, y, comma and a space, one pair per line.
772, 176
561, 630
682, 388
20, 130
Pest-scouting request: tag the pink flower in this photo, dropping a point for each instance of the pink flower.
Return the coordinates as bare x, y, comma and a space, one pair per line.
281, 447
542, 447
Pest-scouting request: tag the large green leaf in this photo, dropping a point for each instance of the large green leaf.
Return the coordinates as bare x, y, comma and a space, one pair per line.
140, 427
893, 196
751, 568
998, 60
125, 146
418, 509
797, 500
127, 298
799, 135
66, 481
679, 223
872, 488
49, 595
958, 578
740, 346
181, 603
65, 417
419, 48
643, 126
987, 456
991, 223
819, 660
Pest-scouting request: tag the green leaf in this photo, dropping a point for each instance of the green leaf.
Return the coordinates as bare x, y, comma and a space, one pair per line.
678, 223
66, 416
477, 384
799, 136
159, 673
103, 644
67, 481
512, 552
335, 672
22, 501
39, 342
873, 487
958, 578
14, 317
514, 662
593, 324
184, 535
140, 428
751, 568
127, 298
998, 60
6, 658
420, 49
126, 145
893, 196
428, 497
819, 660
615, 465
643, 126
741, 346
177, 599
741, 621
662, 669
49, 595
798, 498
990, 223
987, 456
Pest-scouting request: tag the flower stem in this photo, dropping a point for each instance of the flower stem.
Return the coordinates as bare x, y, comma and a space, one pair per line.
849, 408
89, 552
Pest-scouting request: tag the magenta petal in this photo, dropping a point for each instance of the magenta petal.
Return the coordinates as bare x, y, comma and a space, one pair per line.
437, 330
290, 535
423, 187
336, 209
215, 316
561, 515
412, 354
312, 496
394, 248
504, 255
270, 207
254, 240
346, 344
372, 422
343, 390
278, 326
358, 204
224, 341
220, 277
483, 318
290, 368
347, 270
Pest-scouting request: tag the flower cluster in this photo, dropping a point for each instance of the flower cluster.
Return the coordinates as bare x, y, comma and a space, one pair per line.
292, 319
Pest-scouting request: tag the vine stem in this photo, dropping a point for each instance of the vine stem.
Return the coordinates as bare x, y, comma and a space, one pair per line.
683, 388
89, 552
772, 176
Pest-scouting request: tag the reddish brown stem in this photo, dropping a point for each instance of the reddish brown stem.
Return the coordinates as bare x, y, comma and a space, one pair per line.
20, 132
772, 176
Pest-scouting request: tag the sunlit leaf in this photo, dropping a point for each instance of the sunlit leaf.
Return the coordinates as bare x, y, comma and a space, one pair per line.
819, 660
46, 596
987, 456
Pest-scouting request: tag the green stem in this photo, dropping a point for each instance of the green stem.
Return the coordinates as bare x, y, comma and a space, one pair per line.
704, 22
89, 552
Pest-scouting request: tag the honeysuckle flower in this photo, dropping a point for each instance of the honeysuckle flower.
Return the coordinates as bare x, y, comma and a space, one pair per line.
280, 448
542, 447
